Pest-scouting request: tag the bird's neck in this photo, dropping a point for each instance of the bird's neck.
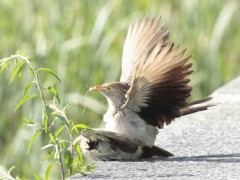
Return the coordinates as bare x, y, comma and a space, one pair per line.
116, 102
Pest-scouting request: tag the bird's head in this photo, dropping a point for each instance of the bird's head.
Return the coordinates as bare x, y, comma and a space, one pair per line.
113, 91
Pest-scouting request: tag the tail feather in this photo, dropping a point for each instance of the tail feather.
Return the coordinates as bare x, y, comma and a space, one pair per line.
191, 110
194, 106
155, 151
199, 101
161, 152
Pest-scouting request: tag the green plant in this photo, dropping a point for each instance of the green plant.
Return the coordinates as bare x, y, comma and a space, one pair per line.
53, 122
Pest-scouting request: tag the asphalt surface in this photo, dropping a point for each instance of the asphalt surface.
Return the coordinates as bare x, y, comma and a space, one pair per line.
206, 145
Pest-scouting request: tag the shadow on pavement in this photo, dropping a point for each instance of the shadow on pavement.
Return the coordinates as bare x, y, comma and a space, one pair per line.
221, 158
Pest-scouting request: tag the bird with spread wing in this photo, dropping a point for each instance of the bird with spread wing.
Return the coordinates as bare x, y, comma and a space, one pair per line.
153, 88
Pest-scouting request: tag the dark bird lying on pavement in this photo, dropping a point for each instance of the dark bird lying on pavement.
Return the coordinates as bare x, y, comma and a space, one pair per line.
106, 145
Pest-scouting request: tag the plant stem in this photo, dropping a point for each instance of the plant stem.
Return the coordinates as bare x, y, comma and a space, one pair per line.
36, 79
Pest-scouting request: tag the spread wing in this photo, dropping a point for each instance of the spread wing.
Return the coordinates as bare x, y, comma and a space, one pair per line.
159, 86
121, 141
142, 37
124, 142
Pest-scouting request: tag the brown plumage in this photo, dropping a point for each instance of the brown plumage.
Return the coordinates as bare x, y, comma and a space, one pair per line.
141, 38
194, 106
154, 84
159, 87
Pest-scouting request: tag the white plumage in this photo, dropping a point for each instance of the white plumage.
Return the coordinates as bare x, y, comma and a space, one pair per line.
154, 84
128, 122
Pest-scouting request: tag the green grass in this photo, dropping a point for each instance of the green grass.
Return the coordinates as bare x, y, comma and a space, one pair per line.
82, 42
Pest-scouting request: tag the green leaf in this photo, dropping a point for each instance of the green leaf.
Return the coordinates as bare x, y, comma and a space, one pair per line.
63, 145
52, 138
24, 99
28, 122
45, 122
59, 130
37, 177
79, 170
32, 140
16, 69
46, 157
65, 109
55, 93
68, 157
5, 65
49, 71
47, 146
49, 168
64, 141
79, 153
28, 88
62, 118
20, 74
90, 167
82, 126
22, 54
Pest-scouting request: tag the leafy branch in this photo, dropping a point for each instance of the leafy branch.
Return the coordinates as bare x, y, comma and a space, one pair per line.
51, 114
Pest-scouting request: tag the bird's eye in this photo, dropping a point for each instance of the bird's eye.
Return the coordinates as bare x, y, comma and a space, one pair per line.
108, 88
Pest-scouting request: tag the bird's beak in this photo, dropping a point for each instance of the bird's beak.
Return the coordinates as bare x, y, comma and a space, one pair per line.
96, 88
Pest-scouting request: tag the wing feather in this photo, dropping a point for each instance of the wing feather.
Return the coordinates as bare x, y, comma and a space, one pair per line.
121, 141
141, 38
159, 86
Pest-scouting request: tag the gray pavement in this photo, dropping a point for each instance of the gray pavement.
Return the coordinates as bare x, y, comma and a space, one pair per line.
206, 145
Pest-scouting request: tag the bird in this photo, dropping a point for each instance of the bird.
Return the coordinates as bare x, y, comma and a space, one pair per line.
154, 85
105, 145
